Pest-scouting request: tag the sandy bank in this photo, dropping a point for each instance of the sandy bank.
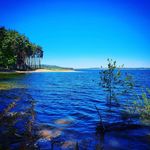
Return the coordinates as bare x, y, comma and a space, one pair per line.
45, 70
39, 70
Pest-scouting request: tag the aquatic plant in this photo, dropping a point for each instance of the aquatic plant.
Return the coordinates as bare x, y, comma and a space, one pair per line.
8, 86
17, 127
5, 86
10, 75
141, 106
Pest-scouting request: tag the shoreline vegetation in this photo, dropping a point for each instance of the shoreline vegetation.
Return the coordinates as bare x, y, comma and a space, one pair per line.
17, 52
44, 68
19, 55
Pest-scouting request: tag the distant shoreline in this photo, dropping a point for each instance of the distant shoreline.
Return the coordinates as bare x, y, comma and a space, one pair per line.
38, 71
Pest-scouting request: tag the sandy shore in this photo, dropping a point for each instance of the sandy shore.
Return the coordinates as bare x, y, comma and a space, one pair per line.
45, 70
39, 70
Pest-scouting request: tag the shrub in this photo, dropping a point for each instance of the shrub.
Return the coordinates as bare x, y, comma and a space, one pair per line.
114, 82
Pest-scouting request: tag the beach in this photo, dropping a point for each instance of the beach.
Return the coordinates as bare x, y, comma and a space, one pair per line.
39, 70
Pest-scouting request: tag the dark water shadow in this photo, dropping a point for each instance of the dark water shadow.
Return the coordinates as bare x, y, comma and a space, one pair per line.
17, 118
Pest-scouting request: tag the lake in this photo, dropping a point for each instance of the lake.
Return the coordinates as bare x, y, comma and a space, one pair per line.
62, 107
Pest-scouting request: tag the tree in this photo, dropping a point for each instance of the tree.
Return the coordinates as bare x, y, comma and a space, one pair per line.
114, 82
7, 47
17, 52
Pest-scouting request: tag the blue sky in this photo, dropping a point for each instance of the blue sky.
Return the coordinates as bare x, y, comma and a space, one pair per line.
83, 33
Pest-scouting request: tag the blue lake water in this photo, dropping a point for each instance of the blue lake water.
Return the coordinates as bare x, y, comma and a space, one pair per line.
65, 102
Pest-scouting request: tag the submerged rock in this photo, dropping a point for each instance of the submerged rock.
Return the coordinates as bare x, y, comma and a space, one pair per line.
63, 121
49, 134
68, 144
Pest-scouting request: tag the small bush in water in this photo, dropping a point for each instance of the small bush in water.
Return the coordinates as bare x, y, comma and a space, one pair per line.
114, 82
142, 105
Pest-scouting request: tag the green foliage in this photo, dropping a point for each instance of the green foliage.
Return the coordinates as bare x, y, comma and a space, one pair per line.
139, 108
142, 105
15, 49
114, 82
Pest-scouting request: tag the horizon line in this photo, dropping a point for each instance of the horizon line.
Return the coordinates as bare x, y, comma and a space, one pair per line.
98, 67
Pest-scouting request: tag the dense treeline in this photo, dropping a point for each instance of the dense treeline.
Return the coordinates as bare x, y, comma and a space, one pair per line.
17, 52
